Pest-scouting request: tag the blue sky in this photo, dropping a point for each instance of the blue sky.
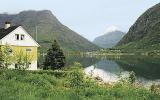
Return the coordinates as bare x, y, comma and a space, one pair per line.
90, 18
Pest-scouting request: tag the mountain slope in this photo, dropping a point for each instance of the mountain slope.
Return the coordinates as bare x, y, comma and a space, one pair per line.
145, 33
109, 40
48, 29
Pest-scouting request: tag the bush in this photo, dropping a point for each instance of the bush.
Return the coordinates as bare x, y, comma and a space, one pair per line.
132, 77
75, 78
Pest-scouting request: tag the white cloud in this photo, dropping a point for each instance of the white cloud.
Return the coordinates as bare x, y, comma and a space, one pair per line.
111, 29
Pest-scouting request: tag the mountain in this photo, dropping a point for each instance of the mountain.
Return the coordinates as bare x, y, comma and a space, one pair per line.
48, 28
145, 33
109, 39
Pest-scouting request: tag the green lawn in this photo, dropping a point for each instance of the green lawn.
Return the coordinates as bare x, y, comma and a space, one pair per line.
69, 84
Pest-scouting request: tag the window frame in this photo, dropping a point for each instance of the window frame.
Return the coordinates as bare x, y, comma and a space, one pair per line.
22, 36
29, 50
17, 36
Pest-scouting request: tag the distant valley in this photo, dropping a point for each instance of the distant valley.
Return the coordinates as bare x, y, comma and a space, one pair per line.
109, 39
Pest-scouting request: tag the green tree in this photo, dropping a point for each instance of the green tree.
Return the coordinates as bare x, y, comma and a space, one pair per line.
2, 64
55, 58
22, 60
6, 58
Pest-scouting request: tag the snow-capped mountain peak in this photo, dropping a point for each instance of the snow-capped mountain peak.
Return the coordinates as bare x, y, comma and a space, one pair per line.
111, 29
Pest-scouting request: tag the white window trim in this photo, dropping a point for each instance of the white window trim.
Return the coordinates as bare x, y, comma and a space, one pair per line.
17, 35
21, 37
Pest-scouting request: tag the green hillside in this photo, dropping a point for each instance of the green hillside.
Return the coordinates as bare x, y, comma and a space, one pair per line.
48, 28
145, 33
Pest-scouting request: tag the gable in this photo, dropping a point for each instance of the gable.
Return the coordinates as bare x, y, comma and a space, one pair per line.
4, 32
10, 39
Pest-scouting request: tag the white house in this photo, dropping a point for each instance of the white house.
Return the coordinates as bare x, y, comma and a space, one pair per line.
19, 40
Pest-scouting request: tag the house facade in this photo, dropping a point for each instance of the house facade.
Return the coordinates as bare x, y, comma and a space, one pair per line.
20, 42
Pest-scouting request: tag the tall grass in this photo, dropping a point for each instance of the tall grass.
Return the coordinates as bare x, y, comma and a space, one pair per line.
70, 84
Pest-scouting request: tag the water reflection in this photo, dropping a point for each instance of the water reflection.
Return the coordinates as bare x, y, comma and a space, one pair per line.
108, 68
146, 67
85, 61
105, 76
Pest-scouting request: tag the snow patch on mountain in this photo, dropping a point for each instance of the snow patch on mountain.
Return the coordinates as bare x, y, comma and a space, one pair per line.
111, 29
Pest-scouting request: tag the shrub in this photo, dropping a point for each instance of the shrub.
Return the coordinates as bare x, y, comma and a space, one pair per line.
132, 77
75, 78
6, 58
77, 64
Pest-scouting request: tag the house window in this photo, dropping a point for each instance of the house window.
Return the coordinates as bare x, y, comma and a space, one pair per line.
17, 36
22, 37
28, 49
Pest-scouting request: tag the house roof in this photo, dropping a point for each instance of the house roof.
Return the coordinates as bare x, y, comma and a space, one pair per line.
4, 32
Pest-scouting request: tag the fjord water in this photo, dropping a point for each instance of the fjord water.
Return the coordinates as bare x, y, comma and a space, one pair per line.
111, 68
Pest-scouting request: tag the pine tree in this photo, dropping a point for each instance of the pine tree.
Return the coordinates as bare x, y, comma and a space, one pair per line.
55, 58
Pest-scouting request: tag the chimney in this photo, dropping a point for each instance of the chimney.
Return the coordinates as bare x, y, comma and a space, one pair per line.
7, 25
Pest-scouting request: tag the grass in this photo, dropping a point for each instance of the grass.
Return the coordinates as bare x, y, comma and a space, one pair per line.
69, 84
